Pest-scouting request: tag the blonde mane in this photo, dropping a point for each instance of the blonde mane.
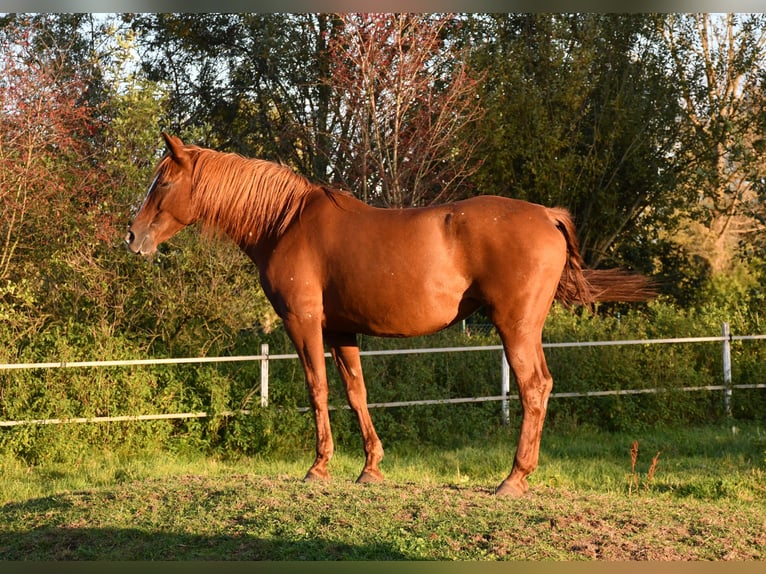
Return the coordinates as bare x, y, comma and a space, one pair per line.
247, 199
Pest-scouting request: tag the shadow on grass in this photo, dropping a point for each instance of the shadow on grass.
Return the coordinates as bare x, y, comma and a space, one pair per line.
78, 541
83, 543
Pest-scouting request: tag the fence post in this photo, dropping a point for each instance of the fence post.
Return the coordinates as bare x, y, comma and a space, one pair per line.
726, 368
265, 375
505, 387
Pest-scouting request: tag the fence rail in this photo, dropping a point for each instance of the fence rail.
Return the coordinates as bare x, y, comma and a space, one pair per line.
726, 338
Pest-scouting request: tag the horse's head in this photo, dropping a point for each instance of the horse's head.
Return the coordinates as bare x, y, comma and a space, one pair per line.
168, 206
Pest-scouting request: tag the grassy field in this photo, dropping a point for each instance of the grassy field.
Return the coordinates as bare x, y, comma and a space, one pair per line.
704, 498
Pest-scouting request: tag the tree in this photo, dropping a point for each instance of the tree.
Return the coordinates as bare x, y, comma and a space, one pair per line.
44, 149
580, 113
288, 87
249, 83
409, 99
51, 188
718, 64
198, 294
135, 107
70, 173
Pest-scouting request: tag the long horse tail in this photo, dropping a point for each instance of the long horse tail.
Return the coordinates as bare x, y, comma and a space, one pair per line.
588, 286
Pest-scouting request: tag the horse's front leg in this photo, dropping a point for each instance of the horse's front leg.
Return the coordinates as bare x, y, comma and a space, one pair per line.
345, 353
307, 338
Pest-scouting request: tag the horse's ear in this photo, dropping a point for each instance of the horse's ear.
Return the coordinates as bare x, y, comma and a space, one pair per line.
175, 147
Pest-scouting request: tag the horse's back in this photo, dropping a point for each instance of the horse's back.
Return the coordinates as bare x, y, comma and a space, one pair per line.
479, 237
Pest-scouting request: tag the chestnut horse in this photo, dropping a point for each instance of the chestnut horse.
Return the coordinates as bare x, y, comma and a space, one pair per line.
334, 267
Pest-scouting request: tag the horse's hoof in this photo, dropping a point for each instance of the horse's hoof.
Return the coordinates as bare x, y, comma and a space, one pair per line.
370, 476
316, 476
507, 488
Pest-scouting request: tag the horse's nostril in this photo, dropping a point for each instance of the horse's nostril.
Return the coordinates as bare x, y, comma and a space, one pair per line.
129, 237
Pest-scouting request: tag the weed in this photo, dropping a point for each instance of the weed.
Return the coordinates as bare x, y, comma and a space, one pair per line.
652, 470
633, 458
633, 480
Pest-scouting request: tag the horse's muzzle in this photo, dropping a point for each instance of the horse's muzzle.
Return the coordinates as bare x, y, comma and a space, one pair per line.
137, 244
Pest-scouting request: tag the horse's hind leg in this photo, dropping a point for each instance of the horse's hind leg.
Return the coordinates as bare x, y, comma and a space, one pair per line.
524, 351
345, 353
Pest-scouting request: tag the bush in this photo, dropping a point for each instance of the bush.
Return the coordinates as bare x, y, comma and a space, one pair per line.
280, 428
668, 367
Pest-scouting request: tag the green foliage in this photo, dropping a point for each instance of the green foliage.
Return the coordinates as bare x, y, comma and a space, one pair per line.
666, 367
581, 115
281, 428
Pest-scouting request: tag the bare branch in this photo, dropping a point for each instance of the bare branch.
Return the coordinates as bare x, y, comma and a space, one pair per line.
414, 98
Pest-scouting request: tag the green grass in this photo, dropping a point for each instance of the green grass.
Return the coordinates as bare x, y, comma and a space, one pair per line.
706, 500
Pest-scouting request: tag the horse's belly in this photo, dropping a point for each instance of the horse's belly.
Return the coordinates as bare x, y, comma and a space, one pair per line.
393, 310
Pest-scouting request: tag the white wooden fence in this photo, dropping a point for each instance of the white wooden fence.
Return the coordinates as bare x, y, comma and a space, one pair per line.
505, 396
